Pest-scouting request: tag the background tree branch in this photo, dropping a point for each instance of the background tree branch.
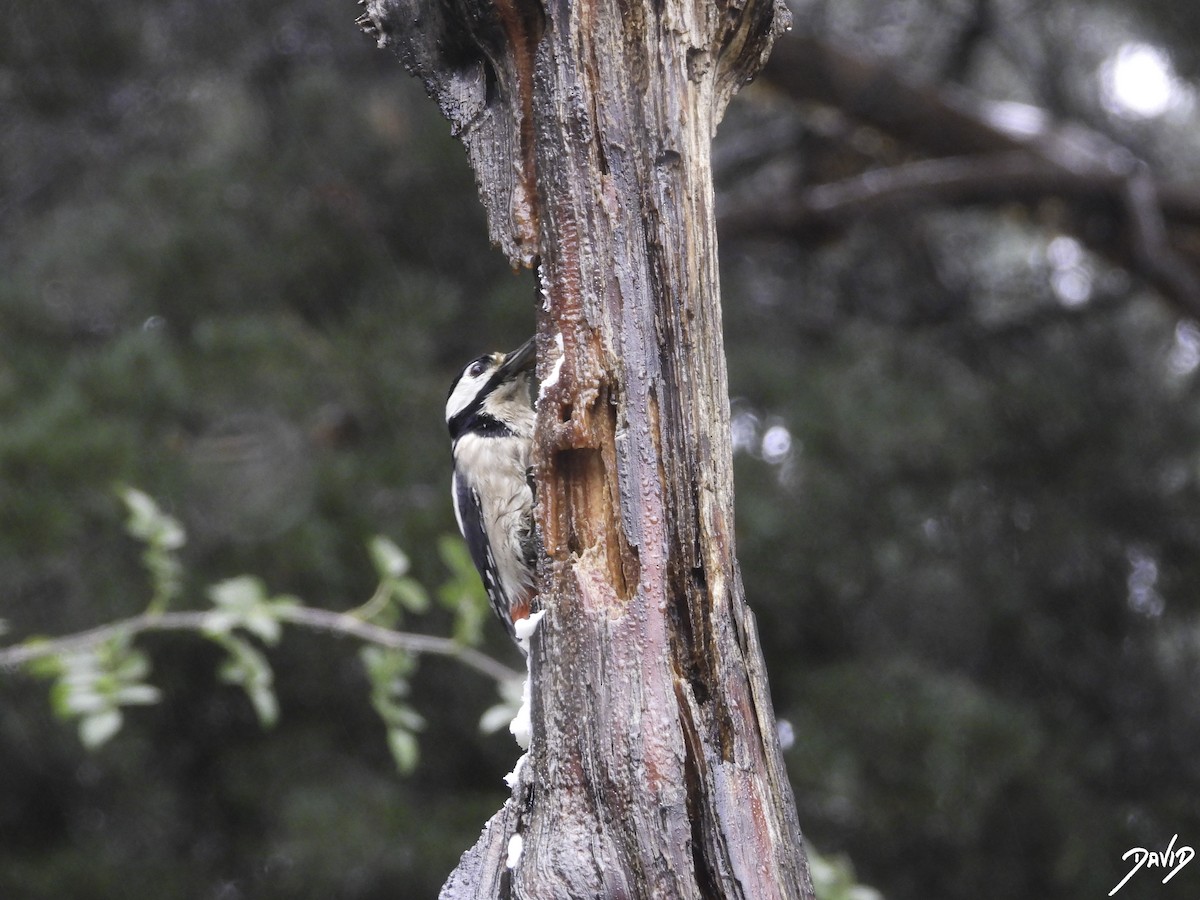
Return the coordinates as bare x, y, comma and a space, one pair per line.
980, 152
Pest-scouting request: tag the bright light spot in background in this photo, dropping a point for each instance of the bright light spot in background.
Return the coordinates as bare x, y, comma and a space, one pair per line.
745, 431
768, 439
1073, 287
1184, 357
776, 444
1064, 252
1069, 278
1142, 582
1137, 82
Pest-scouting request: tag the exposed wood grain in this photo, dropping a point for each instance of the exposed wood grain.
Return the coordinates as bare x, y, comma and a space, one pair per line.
655, 769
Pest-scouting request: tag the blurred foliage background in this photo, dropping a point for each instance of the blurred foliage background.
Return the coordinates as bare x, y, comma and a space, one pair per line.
241, 259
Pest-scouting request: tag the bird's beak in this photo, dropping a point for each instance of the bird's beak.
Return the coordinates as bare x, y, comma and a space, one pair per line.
520, 360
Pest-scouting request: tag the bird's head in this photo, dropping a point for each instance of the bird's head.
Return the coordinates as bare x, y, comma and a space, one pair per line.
491, 390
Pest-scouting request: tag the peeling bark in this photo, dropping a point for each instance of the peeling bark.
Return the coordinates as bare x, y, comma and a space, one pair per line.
655, 769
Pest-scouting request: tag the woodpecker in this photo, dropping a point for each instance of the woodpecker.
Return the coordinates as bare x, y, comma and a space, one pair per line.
490, 416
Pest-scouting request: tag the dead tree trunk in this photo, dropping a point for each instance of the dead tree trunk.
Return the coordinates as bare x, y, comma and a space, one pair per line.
655, 769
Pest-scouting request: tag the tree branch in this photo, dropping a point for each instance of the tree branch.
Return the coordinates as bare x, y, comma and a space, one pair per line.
1153, 254
313, 619
985, 153
941, 121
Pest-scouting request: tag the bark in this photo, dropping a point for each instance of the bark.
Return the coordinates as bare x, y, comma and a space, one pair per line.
655, 769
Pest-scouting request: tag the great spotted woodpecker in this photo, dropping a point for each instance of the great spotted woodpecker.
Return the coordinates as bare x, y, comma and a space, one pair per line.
490, 416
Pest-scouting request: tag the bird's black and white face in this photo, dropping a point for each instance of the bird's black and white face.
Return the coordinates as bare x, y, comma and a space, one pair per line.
489, 390
470, 383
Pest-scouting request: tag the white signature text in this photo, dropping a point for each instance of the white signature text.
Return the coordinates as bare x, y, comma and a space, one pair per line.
1172, 858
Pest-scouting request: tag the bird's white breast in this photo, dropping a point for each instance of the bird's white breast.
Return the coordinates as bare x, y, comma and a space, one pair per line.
495, 468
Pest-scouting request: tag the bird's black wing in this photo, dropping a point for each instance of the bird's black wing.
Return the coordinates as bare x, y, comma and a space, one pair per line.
470, 518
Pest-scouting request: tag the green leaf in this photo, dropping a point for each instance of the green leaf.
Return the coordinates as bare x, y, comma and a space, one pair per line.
238, 594
92, 684
405, 749
242, 602
389, 560
130, 665
833, 879
137, 695
46, 666
70, 699
166, 576
454, 553
98, 728
463, 592
148, 523
389, 671
263, 623
468, 624
266, 706
249, 669
385, 666
244, 665
219, 623
405, 717
143, 512
498, 716
410, 594
163, 535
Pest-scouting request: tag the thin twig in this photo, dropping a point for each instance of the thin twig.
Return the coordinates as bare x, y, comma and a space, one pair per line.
20, 654
350, 626
302, 616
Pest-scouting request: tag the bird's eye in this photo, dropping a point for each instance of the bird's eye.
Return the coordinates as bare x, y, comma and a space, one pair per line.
477, 368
